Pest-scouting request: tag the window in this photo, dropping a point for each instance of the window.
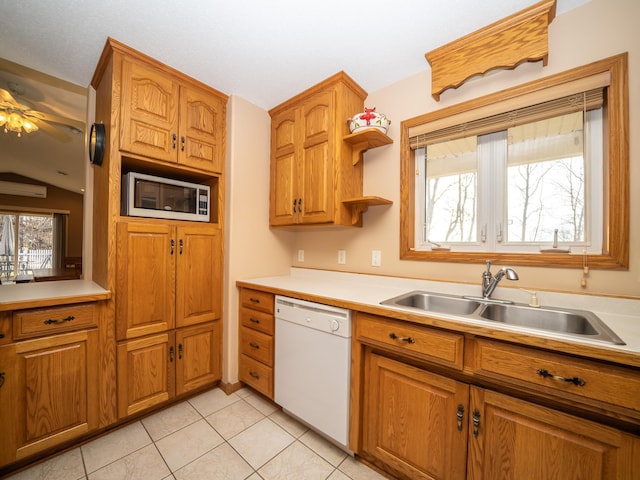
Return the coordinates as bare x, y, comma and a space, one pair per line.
30, 241
533, 175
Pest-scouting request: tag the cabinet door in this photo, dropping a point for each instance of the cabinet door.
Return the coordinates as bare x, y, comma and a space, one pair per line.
411, 420
50, 393
199, 356
145, 373
518, 440
284, 186
202, 130
199, 274
146, 256
317, 162
149, 112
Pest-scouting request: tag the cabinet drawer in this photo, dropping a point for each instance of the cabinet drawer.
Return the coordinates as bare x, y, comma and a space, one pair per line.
257, 320
256, 375
45, 321
256, 345
445, 348
590, 379
257, 300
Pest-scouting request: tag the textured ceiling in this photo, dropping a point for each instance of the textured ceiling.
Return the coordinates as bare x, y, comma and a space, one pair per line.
262, 51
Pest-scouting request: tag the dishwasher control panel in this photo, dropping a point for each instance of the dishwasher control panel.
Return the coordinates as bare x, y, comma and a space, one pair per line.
321, 317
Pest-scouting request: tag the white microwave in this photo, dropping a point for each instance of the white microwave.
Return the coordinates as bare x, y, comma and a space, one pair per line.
157, 197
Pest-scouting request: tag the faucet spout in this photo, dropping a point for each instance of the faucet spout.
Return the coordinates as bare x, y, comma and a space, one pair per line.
490, 282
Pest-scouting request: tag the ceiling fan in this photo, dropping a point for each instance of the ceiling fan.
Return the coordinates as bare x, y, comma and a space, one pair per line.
16, 117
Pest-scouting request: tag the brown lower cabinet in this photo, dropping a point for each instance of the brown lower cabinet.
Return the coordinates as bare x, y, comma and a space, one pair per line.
153, 369
420, 425
49, 385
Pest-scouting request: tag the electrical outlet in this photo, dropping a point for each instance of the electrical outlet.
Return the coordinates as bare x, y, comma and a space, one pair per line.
376, 258
342, 257
301, 255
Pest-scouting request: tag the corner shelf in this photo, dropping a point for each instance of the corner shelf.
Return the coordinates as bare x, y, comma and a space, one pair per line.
361, 204
360, 142
364, 140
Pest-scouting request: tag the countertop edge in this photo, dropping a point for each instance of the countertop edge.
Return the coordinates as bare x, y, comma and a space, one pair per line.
47, 294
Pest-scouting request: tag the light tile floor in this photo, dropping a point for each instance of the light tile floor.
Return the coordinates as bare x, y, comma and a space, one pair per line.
211, 436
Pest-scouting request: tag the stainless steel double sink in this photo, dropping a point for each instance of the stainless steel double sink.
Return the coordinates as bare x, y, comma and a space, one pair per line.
562, 321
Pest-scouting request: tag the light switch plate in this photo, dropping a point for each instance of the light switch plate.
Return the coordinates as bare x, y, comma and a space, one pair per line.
342, 257
376, 258
301, 255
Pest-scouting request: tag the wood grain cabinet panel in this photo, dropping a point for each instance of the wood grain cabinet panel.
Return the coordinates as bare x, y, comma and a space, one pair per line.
145, 373
426, 343
517, 440
198, 274
146, 278
165, 119
416, 424
256, 340
612, 384
39, 322
49, 393
149, 111
412, 422
199, 359
311, 167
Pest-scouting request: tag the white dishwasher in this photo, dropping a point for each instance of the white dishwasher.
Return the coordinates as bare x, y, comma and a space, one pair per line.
312, 365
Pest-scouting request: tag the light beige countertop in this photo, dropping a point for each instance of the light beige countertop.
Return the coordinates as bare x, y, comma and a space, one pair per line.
365, 292
44, 294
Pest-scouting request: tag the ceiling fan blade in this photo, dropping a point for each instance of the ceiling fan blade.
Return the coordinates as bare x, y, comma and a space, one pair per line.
51, 130
50, 117
5, 96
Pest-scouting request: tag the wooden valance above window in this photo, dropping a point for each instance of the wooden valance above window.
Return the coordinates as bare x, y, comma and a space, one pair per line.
521, 37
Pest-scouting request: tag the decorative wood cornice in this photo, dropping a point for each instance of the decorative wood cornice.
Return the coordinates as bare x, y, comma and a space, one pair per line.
521, 37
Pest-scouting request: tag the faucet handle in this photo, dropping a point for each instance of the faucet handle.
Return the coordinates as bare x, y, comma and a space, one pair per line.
488, 266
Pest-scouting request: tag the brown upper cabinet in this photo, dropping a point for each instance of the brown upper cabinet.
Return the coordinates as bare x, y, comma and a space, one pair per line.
165, 119
312, 168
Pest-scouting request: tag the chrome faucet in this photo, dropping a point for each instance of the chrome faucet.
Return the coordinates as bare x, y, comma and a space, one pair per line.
490, 282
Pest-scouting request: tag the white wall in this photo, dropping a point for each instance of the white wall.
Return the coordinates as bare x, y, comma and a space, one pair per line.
251, 248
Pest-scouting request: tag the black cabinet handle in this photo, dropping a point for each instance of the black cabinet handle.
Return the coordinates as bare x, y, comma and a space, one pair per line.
575, 380
51, 321
254, 375
402, 339
460, 417
171, 354
476, 422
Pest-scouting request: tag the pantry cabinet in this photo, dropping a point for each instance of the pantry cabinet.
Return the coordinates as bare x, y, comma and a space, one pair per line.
170, 279
419, 413
49, 380
312, 168
165, 274
165, 119
170, 276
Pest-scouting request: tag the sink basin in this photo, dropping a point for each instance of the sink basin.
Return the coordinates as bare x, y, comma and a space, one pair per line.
570, 322
564, 322
432, 302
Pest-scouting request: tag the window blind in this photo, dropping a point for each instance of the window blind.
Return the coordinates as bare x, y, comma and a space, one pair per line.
584, 94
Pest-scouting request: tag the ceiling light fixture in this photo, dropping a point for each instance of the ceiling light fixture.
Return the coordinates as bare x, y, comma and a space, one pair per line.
16, 121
